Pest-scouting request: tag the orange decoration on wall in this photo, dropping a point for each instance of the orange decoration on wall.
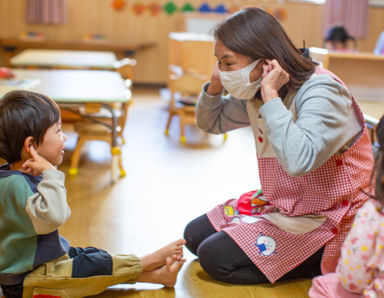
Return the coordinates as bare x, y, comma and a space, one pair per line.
138, 8
234, 8
154, 8
280, 14
270, 11
118, 4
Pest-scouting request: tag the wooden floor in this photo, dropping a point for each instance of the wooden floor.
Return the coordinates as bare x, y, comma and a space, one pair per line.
167, 185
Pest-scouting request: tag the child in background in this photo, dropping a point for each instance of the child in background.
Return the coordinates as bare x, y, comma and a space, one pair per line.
338, 39
35, 260
361, 267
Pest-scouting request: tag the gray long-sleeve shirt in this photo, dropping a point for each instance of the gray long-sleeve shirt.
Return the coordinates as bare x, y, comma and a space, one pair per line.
325, 122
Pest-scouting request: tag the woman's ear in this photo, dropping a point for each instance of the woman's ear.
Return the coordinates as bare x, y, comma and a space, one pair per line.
257, 71
28, 143
261, 63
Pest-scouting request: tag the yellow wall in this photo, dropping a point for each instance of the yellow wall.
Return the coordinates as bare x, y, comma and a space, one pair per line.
303, 22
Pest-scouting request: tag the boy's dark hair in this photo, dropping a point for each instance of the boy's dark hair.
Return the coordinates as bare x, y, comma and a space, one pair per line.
24, 114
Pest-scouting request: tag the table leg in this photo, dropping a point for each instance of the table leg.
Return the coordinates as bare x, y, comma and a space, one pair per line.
115, 150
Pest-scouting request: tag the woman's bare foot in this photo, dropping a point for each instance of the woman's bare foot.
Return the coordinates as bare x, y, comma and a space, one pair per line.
158, 258
165, 275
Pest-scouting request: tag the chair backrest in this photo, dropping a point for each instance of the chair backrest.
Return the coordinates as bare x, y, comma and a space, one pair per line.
191, 60
188, 86
194, 53
126, 68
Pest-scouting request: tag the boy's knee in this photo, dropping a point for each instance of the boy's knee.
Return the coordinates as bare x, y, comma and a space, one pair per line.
91, 262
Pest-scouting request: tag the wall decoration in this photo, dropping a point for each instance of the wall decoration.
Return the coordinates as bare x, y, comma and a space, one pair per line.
233, 9
138, 8
154, 8
205, 8
280, 14
270, 11
118, 4
170, 8
220, 9
187, 7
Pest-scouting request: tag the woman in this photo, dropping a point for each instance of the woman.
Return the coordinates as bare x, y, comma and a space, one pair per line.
314, 156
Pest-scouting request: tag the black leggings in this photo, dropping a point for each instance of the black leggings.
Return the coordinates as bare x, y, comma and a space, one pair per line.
225, 261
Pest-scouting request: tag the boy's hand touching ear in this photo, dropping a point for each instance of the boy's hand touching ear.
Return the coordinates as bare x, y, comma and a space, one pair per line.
36, 164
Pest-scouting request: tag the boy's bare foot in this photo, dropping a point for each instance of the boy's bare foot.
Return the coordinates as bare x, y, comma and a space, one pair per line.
165, 275
158, 258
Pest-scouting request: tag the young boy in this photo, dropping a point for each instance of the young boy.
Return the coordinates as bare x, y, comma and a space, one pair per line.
35, 260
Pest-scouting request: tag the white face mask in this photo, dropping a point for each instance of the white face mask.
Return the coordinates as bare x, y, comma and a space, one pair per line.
237, 82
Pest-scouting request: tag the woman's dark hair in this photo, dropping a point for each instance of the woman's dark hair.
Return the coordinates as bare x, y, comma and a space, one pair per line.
339, 34
254, 33
24, 114
379, 164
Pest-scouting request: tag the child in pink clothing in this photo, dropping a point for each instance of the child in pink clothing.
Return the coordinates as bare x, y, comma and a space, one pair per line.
360, 271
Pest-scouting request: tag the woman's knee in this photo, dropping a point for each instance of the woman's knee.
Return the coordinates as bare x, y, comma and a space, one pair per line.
225, 261
210, 258
219, 256
196, 232
189, 236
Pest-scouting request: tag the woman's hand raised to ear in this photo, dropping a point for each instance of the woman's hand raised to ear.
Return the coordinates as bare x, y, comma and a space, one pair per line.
274, 77
36, 164
215, 87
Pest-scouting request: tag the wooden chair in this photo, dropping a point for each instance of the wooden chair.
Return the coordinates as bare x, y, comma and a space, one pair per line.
189, 87
90, 130
126, 68
191, 60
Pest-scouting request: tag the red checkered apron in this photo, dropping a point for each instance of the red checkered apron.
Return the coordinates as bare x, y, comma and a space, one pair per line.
332, 190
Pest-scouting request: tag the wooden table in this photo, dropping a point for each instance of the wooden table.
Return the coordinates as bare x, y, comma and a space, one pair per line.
74, 88
39, 58
121, 48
